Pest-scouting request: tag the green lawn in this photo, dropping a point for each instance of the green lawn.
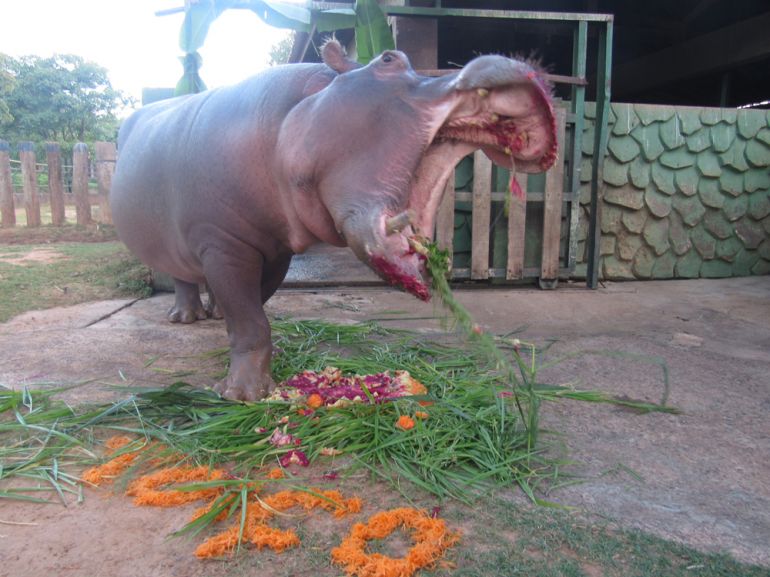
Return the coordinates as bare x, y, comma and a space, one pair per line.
40, 276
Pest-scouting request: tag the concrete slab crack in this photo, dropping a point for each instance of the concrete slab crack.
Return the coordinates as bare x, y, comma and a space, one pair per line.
111, 313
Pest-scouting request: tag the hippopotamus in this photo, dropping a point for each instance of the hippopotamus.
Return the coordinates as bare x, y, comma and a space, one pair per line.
224, 186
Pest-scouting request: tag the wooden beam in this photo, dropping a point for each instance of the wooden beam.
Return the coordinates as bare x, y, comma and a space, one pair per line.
517, 225
29, 182
554, 189
729, 46
7, 208
480, 219
80, 184
106, 157
55, 183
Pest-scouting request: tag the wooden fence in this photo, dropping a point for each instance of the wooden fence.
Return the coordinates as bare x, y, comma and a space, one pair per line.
82, 184
545, 232
550, 231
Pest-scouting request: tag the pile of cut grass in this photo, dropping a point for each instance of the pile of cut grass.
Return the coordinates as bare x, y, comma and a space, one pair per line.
475, 437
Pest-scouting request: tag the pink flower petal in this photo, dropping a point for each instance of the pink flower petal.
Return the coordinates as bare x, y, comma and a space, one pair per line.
294, 457
279, 438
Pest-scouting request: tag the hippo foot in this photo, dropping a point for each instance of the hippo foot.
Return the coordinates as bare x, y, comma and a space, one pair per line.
186, 315
213, 311
249, 376
236, 390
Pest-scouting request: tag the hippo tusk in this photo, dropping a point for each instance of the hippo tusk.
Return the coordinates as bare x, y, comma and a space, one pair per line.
399, 222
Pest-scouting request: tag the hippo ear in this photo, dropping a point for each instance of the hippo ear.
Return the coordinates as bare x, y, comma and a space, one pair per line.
334, 57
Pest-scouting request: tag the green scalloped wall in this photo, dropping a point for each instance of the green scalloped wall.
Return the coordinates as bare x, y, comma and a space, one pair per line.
686, 192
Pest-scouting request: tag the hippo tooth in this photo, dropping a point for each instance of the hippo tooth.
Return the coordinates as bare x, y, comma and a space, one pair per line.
399, 222
483, 92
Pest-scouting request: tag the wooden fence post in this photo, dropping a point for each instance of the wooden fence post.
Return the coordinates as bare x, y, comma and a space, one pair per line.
80, 184
517, 226
55, 184
482, 206
106, 155
7, 208
29, 182
554, 185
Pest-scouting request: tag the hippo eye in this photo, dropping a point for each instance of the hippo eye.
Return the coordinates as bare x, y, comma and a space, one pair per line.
387, 58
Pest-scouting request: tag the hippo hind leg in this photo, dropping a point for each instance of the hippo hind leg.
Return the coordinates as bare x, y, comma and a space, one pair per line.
211, 306
187, 303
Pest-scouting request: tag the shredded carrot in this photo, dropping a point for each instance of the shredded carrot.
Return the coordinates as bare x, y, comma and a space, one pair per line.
276, 539
148, 490
117, 442
225, 541
327, 500
421, 415
259, 512
219, 544
106, 472
430, 535
276, 474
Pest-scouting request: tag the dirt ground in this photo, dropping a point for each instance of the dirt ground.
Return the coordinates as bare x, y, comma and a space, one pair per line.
701, 477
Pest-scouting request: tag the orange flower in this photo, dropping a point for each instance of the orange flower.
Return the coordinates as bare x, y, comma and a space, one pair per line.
315, 400
405, 423
421, 415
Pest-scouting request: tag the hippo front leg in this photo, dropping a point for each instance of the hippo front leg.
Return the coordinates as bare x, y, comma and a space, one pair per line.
237, 283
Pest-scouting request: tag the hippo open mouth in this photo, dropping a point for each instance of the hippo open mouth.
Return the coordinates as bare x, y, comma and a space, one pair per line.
495, 104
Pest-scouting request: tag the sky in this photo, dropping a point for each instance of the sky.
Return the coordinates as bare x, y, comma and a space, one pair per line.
138, 48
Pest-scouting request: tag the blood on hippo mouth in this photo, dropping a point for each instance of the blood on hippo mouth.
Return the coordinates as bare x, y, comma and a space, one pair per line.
396, 277
502, 134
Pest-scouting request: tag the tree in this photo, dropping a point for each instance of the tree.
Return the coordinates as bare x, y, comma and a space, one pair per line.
62, 98
281, 51
7, 84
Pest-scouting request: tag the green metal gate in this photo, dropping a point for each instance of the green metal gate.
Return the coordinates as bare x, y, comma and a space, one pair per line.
552, 200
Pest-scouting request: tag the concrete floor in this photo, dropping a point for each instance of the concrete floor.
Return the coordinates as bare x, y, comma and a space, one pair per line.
702, 477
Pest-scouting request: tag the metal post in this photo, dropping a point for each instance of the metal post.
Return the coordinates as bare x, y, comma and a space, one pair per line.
603, 80
577, 107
